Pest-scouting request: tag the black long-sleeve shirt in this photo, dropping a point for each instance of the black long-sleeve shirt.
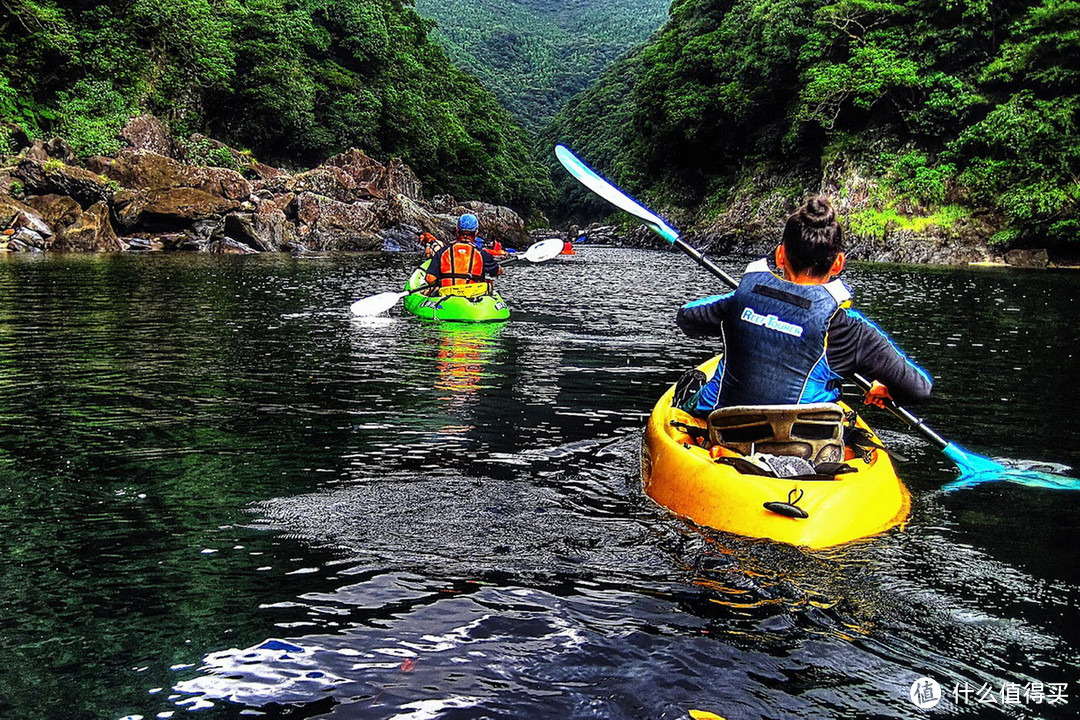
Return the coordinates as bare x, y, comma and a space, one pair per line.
854, 345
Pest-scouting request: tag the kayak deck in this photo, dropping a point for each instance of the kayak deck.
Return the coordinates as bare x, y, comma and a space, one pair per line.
489, 307
682, 475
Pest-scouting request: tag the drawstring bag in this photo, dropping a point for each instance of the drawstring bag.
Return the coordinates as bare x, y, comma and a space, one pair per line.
781, 466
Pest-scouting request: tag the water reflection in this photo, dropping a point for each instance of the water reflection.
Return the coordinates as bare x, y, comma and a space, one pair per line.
464, 353
747, 629
216, 481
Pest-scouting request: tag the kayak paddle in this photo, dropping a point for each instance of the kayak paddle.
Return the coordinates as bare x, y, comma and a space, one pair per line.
590, 179
540, 251
974, 469
376, 304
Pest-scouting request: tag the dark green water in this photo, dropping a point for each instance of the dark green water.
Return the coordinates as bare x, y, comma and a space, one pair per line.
222, 497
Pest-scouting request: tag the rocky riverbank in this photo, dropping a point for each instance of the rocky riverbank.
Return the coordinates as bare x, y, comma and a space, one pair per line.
878, 227
160, 194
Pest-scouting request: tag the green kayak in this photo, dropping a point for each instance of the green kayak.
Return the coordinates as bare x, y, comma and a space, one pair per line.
487, 307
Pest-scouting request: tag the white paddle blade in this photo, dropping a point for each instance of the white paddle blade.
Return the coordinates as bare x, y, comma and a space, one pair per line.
544, 250
605, 189
376, 304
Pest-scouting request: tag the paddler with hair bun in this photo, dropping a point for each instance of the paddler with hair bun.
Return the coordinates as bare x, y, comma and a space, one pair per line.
791, 338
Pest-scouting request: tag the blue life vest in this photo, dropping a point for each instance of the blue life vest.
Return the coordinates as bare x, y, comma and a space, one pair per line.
774, 340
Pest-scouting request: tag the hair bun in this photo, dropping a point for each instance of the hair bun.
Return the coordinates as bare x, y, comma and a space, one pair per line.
819, 212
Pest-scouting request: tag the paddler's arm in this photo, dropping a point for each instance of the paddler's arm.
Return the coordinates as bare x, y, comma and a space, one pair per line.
857, 345
702, 317
491, 265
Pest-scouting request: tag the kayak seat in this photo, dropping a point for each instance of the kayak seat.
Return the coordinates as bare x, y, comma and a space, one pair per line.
813, 432
467, 290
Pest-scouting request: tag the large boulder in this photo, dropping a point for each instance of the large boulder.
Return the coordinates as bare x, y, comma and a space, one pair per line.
331, 182
149, 134
401, 221
498, 223
169, 210
228, 246
372, 179
1023, 258
51, 149
401, 180
15, 215
266, 229
326, 224
91, 232
54, 176
58, 211
150, 173
403, 211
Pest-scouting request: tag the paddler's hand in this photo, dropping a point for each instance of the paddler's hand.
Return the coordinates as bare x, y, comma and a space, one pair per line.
878, 395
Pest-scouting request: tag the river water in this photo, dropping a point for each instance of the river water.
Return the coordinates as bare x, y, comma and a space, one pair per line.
222, 497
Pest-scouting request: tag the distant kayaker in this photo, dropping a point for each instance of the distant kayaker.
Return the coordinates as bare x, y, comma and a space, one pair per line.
464, 261
792, 339
432, 245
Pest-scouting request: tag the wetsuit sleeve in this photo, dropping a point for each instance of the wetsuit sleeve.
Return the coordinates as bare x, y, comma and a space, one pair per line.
433, 273
703, 317
857, 345
491, 265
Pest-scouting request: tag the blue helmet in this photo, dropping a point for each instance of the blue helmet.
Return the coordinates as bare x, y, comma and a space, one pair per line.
468, 223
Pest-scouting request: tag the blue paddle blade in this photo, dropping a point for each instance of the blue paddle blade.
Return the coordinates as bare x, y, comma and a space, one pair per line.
970, 463
976, 470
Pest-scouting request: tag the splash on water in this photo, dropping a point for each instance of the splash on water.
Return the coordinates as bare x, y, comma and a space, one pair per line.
976, 470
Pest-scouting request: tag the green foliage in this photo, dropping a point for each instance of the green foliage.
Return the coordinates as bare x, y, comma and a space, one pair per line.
873, 222
870, 75
90, 115
1043, 49
15, 112
294, 80
914, 175
984, 97
204, 151
596, 121
536, 54
1023, 158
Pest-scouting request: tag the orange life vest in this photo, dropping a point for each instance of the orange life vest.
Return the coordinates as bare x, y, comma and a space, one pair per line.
460, 264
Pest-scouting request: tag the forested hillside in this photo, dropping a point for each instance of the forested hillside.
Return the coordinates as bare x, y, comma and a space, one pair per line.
954, 109
292, 81
536, 54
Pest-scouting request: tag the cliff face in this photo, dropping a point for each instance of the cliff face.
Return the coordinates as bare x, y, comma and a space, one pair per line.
946, 132
751, 222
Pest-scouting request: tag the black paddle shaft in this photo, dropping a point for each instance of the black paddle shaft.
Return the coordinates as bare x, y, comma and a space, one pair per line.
700, 259
913, 421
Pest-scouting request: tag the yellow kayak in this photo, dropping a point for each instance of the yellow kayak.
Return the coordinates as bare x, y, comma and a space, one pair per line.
682, 475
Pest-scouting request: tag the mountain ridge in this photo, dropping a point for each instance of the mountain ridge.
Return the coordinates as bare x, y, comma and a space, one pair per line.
535, 55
